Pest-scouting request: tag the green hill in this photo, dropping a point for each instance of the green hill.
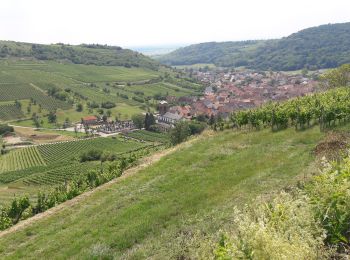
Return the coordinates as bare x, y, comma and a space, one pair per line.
162, 211
89, 54
325, 46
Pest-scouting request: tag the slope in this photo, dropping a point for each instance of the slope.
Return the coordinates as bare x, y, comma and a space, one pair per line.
325, 46
89, 54
154, 213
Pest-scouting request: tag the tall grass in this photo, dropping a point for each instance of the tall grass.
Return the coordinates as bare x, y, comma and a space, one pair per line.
308, 223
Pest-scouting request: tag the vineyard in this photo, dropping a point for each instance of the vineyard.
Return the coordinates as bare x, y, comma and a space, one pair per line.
51, 164
70, 151
59, 174
11, 176
149, 136
21, 159
327, 109
11, 92
10, 111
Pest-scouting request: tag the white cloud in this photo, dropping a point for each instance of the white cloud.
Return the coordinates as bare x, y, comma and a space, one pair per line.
141, 22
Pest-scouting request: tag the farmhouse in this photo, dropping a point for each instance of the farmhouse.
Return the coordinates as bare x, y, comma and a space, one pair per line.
89, 120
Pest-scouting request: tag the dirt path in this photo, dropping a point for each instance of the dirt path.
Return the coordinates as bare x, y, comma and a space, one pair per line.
145, 162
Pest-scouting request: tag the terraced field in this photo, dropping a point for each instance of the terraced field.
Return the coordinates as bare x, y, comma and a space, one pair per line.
10, 112
21, 159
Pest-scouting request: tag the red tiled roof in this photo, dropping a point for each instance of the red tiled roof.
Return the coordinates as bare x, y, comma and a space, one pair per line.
89, 118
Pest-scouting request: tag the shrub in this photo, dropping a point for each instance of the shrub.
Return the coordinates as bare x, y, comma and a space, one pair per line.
284, 228
330, 196
4, 129
108, 105
91, 155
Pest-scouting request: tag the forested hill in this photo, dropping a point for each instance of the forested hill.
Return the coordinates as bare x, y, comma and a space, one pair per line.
79, 54
325, 46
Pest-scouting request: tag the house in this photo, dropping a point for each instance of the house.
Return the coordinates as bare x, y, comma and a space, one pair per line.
89, 120
163, 107
208, 91
184, 111
169, 118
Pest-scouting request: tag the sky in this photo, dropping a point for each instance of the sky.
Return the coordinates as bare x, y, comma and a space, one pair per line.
130, 23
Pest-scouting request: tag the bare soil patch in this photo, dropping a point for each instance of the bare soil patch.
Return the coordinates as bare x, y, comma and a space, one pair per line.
334, 145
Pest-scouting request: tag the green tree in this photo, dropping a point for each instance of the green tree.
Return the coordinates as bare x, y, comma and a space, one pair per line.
211, 120
17, 208
52, 118
79, 107
149, 121
339, 77
180, 132
139, 120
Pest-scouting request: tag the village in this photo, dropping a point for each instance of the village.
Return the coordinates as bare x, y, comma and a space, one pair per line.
227, 92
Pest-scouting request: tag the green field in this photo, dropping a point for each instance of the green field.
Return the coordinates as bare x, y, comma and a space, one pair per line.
158, 212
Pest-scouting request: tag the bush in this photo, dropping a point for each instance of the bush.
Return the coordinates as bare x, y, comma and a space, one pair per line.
4, 129
180, 133
330, 196
108, 105
91, 155
92, 105
284, 228
196, 127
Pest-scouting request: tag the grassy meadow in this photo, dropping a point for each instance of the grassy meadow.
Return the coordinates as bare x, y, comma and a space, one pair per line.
156, 212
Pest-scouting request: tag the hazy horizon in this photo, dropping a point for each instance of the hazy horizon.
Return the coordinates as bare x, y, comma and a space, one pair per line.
155, 23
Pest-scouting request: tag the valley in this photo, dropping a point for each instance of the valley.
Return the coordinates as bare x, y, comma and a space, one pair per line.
216, 150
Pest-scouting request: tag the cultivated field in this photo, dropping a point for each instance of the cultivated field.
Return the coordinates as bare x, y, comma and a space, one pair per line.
21, 159
65, 151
